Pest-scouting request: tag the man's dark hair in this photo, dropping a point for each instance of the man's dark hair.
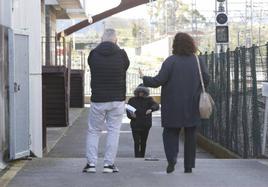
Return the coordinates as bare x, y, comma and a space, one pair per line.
183, 44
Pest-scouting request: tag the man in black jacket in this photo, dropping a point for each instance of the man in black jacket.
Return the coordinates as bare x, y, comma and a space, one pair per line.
108, 65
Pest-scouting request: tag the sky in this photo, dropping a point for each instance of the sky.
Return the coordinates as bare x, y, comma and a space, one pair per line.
140, 11
205, 7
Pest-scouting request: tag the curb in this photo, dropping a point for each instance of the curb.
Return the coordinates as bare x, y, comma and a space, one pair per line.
11, 172
214, 148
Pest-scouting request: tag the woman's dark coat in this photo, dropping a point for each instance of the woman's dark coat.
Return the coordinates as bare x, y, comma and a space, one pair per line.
142, 104
181, 88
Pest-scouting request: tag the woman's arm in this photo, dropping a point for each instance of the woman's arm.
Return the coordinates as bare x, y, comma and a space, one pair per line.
159, 79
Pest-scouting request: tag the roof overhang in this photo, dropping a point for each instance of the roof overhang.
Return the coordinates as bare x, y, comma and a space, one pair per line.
68, 9
76, 13
71, 4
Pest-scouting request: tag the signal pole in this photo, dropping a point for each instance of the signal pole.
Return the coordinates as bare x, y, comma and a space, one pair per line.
221, 24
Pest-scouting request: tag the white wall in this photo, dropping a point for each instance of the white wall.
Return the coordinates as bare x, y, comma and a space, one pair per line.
27, 16
5, 12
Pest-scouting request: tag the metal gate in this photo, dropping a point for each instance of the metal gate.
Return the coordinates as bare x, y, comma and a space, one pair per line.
19, 94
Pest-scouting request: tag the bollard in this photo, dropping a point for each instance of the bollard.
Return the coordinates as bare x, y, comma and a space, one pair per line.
265, 94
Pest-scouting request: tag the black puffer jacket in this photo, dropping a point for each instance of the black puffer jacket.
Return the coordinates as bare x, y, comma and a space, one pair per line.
108, 65
142, 104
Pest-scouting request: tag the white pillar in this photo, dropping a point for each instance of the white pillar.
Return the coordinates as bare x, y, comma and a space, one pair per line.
34, 25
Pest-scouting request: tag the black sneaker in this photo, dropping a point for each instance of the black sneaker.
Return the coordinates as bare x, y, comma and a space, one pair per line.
89, 168
110, 169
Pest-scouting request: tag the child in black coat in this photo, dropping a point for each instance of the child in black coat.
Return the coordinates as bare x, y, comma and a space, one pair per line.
141, 119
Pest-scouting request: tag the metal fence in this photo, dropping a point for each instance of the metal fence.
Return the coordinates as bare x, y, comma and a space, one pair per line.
235, 83
132, 81
55, 52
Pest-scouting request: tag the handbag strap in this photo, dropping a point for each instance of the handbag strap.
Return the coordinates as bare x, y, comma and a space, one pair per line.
200, 73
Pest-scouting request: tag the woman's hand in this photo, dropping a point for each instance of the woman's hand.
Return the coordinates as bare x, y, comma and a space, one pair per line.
141, 73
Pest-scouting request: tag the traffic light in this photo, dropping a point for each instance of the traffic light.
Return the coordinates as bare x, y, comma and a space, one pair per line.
221, 18
222, 34
222, 30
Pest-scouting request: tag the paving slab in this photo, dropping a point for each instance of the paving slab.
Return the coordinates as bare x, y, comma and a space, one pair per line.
73, 143
59, 172
54, 134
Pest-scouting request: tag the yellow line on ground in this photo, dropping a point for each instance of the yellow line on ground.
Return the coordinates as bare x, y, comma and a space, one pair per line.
16, 166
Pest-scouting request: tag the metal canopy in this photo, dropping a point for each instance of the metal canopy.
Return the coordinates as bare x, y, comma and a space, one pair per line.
124, 5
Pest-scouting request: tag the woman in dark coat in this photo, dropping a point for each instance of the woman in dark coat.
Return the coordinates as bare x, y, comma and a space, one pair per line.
141, 120
180, 93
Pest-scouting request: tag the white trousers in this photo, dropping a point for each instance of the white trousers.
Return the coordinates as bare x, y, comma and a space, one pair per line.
101, 114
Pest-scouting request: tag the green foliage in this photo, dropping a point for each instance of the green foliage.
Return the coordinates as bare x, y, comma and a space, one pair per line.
169, 16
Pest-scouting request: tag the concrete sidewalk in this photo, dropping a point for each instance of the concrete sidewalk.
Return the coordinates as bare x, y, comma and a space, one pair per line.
73, 144
54, 134
63, 165
59, 172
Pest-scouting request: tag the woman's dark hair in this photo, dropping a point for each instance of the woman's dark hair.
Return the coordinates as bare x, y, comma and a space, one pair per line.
183, 44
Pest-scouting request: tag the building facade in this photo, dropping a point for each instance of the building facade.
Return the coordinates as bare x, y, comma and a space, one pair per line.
22, 26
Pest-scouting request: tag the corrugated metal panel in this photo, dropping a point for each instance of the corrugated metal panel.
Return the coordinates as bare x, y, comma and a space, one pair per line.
56, 103
77, 89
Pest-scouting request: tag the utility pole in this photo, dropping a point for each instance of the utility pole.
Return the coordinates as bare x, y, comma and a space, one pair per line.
260, 24
248, 23
151, 6
194, 19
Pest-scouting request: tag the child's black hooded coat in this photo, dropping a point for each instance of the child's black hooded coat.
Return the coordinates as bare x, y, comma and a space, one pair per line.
142, 104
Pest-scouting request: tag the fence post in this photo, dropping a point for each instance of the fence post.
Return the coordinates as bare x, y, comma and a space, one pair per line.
255, 112
265, 94
206, 126
235, 97
56, 50
64, 52
227, 104
221, 96
213, 91
244, 103
266, 60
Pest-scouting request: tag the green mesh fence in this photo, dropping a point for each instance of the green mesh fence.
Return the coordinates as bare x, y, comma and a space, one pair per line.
235, 83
